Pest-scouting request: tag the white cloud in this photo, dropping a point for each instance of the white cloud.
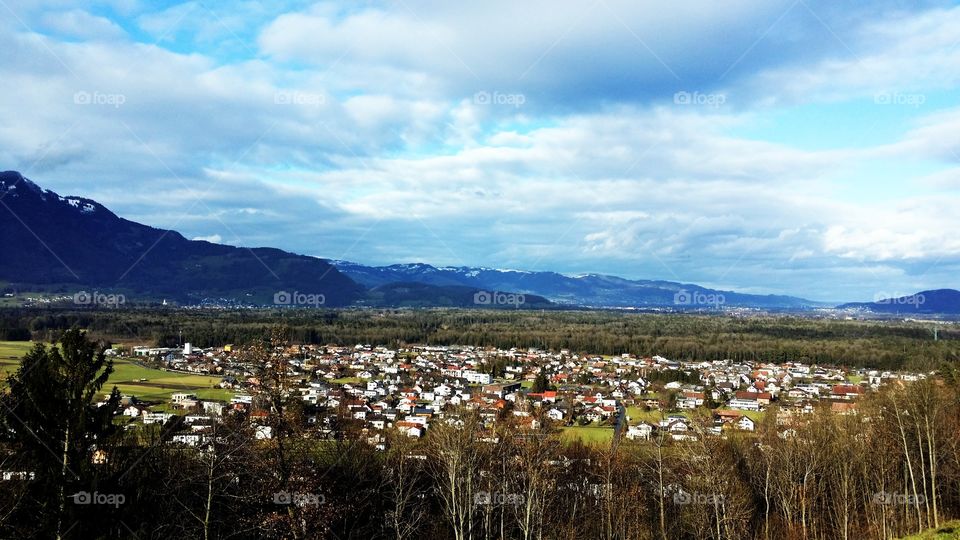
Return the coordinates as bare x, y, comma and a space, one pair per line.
355, 133
213, 238
895, 54
77, 23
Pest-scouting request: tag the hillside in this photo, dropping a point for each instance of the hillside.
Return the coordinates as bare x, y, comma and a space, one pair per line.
50, 240
942, 301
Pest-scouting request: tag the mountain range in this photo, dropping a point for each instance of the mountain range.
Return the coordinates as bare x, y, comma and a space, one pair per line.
64, 244
590, 290
56, 243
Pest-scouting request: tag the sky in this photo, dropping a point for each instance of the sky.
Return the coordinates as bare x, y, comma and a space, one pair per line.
799, 147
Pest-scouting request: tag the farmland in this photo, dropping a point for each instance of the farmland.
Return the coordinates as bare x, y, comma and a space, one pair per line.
10, 353
156, 385
592, 434
131, 378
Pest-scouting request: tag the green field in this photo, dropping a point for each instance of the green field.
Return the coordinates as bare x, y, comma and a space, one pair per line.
947, 531
156, 386
160, 384
10, 353
588, 434
637, 414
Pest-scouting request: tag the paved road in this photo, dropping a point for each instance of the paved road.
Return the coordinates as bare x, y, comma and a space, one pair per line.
621, 421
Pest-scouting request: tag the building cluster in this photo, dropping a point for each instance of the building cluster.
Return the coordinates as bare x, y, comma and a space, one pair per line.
372, 390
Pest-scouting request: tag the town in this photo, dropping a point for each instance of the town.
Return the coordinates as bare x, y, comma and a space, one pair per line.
371, 390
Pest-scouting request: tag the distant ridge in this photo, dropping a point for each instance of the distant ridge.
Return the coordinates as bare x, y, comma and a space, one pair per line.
940, 301
594, 290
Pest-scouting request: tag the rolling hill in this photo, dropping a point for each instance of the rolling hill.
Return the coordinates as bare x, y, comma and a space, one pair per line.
939, 301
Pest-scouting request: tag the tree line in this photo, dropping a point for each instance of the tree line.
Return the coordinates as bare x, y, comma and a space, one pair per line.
877, 344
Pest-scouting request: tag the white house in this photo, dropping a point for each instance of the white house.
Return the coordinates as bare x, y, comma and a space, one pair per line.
746, 424
555, 414
744, 404
189, 439
133, 411
477, 378
642, 431
213, 407
155, 417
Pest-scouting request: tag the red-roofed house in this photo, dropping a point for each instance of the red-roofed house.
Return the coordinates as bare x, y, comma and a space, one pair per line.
846, 391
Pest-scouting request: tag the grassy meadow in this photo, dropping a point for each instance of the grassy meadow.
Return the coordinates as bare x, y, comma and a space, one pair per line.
591, 434
10, 353
947, 531
130, 378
